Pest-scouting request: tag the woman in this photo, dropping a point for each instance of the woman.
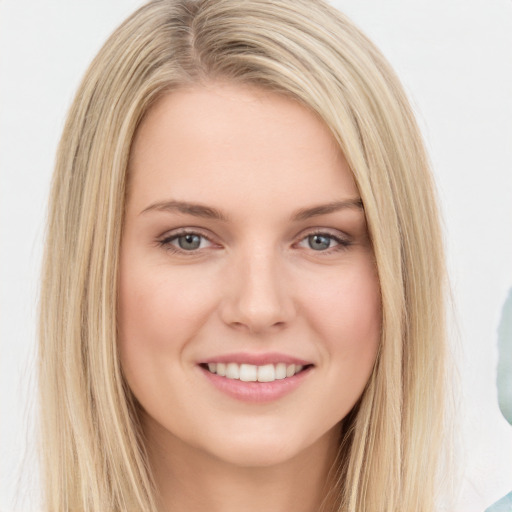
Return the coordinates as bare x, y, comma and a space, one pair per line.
243, 285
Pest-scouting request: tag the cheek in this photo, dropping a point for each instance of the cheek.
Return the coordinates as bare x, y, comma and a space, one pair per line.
138, 332
346, 310
159, 312
149, 319
351, 299
157, 305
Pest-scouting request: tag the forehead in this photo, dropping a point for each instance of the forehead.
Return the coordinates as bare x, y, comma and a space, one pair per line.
231, 140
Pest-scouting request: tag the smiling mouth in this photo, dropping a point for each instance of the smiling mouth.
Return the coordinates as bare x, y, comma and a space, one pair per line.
255, 373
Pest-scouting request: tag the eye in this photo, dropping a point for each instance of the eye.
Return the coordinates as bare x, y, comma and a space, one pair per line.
189, 242
185, 242
320, 242
323, 242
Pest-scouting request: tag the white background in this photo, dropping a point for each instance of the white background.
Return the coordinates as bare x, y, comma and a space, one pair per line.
455, 60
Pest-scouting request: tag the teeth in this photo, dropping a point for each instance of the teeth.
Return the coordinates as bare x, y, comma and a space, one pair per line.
280, 371
253, 373
266, 373
232, 371
221, 369
248, 373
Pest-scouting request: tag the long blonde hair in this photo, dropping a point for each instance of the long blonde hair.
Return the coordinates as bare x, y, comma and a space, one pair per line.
93, 456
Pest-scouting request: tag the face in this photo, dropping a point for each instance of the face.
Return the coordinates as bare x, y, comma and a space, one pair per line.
249, 307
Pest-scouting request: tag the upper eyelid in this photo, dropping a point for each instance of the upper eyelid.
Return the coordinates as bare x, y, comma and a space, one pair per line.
166, 241
175, 233
341, 242
193, 230
332, 232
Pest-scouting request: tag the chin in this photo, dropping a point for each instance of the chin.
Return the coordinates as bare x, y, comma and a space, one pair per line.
247, 458
271, 449
257, 455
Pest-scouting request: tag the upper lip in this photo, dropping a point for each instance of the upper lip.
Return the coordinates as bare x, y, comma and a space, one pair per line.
256, 359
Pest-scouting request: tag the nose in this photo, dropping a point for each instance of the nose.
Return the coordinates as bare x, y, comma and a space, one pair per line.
257, 295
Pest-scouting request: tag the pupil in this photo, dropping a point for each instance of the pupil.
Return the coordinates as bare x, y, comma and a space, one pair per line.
189, 242
319, 242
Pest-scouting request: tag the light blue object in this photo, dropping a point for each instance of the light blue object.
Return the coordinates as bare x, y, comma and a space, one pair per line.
504, 376
504, 505
504, 383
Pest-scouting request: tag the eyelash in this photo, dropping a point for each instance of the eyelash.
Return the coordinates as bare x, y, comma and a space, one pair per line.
166, 243
342, 243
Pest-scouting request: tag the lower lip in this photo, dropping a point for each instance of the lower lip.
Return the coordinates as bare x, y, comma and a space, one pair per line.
256, 392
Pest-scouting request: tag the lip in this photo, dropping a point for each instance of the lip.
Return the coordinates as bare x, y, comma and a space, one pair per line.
256, 392
256, 359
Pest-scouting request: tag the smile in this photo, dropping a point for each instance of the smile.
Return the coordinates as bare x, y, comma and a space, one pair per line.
254, 373
256, 378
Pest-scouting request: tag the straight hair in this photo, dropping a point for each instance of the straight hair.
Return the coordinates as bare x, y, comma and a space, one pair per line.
92, 446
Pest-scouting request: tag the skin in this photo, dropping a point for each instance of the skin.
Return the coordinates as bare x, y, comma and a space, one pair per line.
258, 282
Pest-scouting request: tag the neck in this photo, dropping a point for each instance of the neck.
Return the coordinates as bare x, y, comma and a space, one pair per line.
191, 480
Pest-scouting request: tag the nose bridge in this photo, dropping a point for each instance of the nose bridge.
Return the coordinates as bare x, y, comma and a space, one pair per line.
258, 297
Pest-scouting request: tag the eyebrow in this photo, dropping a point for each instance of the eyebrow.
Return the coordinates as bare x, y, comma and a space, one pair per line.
324, 209
195, 209
208, 212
